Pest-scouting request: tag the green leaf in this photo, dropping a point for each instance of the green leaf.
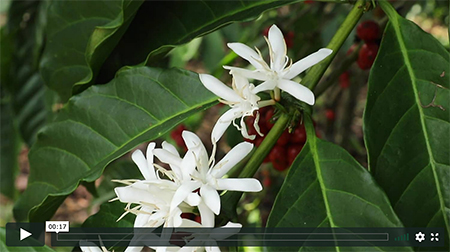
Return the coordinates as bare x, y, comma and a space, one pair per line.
327, 187
101, 124
182, 54
29, 107
9, 147
119, 169
5, 248
167, 24
80, 36
213, 50
24, 39
408, 140
108, 215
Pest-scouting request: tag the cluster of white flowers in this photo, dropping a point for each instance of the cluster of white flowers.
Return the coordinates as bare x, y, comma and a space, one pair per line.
243, 98
193, 182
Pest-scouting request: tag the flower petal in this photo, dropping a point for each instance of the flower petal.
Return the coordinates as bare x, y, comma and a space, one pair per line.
244, 131
233, 157
239, 184
174, 218
212, 249
250, 74
307, 62
183, 192
194, 143
206, 214
190, 223
297, 90
246, 53
170, 148
218, 88
211, 198
232, 229
278, 46
167, 157
187, 165
240, 82
266, 85
86, 246
139, 159
193, 199
135, 193
134, 249
149, 155
222, 124
142, 218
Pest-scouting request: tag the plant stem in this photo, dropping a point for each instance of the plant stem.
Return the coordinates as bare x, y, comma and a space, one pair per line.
232, 198
315, 73
263, 150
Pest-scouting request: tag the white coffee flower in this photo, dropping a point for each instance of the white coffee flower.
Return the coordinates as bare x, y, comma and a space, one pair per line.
153, 195
281, 70
242, 100
209, 238
86, 246
209, 179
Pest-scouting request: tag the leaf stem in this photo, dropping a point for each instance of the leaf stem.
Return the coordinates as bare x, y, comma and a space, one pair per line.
315, 73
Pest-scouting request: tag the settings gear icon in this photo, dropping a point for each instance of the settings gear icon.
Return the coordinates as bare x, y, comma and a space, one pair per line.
420, 237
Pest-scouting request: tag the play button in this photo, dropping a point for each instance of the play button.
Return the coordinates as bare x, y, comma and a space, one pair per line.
24, 234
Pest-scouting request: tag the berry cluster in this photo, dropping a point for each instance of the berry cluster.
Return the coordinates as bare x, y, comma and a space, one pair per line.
288, 145
369, 32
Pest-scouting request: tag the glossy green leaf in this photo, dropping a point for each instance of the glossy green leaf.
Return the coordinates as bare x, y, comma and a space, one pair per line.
80, 36
5, 248
407, 135
108, 215
327, 187
101, 124
159, 26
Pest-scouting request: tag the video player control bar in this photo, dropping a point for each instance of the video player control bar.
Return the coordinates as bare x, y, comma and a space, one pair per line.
269, 237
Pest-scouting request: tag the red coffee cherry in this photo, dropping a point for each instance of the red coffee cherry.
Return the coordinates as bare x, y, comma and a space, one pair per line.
289, 38
258, 141
329, 114
284, 138
351, 49
299, 135
278, 158
267, 182
344, 80
176, 135
367, 55
266, 31
368, 31
293, 151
